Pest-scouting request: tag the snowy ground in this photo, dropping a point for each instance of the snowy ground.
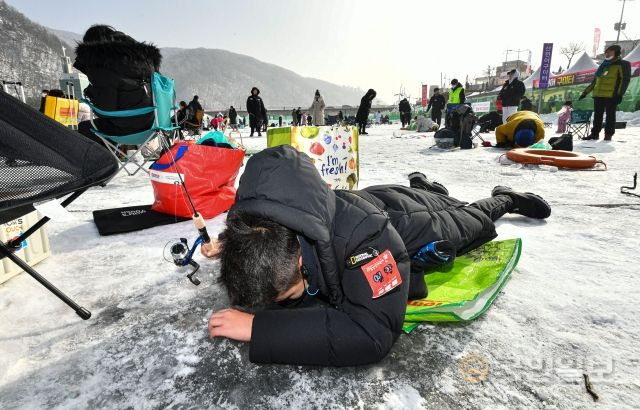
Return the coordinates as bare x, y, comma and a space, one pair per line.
570, 307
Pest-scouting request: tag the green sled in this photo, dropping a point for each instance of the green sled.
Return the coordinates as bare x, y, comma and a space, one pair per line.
464, 290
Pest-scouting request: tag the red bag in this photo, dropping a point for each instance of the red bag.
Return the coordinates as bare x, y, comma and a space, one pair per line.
209, 173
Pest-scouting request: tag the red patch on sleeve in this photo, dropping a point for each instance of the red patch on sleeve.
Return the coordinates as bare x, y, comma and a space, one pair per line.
382, 274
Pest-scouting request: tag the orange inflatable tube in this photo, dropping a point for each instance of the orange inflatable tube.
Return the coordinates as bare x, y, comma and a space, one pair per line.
560, 159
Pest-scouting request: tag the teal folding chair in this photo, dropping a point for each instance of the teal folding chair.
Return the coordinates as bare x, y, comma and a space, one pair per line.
164, 108
580, 123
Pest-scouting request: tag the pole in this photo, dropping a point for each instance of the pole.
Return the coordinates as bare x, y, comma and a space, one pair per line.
620, 23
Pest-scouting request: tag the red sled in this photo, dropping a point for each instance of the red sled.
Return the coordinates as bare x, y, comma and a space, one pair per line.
209, 174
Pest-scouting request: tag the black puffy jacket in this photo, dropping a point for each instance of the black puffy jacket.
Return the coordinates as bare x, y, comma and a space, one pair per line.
119, 73
365, 106
511, 93
255, 107
349, 327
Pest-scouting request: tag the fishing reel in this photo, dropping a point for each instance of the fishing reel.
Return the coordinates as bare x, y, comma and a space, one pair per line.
179, 252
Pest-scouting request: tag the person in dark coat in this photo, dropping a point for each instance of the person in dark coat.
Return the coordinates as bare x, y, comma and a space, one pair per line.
298, 116
280, 121
233, 118
340, 116
256, 110
294, 117
510, 94
314, 258
436, 105
405, 112
362, 116
119, 69
181, 114
43, 100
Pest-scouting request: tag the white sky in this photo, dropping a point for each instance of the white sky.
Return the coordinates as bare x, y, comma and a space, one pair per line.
363, 43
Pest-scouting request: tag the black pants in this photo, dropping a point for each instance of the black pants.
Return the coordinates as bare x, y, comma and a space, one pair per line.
494, 208
436, 116
361, 127
600, 106
255, 125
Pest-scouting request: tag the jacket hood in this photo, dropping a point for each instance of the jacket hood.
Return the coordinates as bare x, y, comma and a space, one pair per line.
129, 58
283, 185
371, 94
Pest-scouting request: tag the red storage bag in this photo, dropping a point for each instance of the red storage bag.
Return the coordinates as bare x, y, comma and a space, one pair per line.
209, 173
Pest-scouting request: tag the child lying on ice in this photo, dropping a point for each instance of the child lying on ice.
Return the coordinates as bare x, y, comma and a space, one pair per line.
327, 274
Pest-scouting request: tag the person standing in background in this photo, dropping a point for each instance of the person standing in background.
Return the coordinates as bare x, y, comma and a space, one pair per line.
609, 85
256, 110
405, 112
436, 105
362, 117
317, 109
512, 91
233, 118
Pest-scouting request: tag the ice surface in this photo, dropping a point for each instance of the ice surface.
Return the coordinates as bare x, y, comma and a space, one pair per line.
570, 307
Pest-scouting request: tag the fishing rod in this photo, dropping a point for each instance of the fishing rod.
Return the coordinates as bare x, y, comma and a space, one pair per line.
180, 252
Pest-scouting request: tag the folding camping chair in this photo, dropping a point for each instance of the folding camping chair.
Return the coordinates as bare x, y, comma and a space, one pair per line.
40, 160
164, 109
580, 123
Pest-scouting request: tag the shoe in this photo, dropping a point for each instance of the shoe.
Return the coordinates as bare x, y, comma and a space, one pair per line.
591, 137
607, 137
428, 185
526, 204
259, 135
365, 133
251, 135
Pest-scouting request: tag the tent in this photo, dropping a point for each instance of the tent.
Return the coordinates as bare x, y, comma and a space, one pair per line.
634, 55
535, 76
583, 63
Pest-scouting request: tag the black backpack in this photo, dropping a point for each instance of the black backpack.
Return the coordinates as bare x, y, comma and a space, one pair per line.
563, 142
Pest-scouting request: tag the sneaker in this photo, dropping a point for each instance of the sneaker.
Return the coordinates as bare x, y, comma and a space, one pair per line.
428, 185
526, 204
592, 137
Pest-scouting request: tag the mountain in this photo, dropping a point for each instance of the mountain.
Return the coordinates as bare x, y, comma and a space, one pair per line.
29, 53
222, 78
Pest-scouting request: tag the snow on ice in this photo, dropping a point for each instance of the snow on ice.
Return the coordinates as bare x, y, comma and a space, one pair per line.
570, 307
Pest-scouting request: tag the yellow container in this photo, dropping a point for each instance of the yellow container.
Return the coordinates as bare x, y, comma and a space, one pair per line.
63, 110
34, 249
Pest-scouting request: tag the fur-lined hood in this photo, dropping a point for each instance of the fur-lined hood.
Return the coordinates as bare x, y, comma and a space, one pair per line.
129, 58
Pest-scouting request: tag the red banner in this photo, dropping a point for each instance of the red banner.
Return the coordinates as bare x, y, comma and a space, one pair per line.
596, 42
425, 90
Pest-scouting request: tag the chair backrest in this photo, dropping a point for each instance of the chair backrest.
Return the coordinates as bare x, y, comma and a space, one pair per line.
164, 96
581, 116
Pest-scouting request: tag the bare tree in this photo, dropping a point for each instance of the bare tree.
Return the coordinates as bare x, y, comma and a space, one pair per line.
571, 50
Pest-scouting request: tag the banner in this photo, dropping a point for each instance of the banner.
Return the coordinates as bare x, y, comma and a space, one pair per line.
425, 90
333, 150
596, 42
545, 66
479, 107
63, 110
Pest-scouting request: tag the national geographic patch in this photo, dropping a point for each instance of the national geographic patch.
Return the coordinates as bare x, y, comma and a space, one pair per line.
361, 257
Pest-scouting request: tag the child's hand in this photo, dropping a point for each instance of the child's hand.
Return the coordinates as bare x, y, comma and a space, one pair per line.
211, 250
232, 324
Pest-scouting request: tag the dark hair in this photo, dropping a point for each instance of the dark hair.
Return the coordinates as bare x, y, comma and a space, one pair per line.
258, 260
195, 97
568, 103
183, 103
436, 89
